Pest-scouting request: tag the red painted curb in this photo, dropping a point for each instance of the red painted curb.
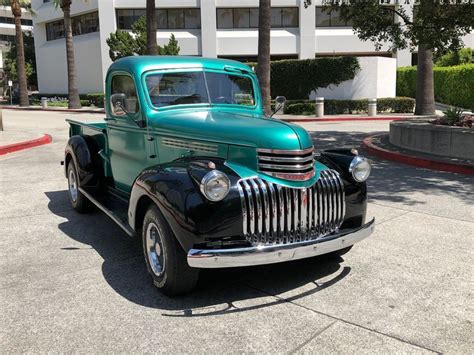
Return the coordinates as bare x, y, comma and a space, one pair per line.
344, 119
5, 149
50, 109
414, 160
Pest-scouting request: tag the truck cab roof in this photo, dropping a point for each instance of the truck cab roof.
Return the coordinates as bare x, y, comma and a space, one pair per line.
137, 65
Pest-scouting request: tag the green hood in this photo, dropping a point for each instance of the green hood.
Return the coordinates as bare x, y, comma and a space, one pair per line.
232, 128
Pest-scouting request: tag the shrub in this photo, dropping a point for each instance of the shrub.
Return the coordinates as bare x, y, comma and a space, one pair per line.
463, 56
335, 107
452, 85
295, 79
96, 99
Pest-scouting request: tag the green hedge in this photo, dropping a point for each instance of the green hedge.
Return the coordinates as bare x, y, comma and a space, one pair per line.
334, 107
295, 79
452, 85
96, 99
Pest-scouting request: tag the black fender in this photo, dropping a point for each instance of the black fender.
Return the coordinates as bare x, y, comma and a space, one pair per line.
356, 192
175, 188
83, 150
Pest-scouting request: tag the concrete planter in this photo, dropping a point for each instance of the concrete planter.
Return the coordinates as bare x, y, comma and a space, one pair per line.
422, 136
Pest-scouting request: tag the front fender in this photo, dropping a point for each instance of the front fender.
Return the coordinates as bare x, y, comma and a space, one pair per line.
174, 188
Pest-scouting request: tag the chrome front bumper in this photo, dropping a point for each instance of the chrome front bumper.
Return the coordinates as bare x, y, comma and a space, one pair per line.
260, 255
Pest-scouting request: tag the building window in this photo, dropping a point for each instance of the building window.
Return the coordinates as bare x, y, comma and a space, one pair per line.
165, 18
248, 17
8, 20
25, 22
332, 19
7, 38
81, 25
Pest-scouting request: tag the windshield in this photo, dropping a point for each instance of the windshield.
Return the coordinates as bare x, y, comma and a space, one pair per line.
167, 89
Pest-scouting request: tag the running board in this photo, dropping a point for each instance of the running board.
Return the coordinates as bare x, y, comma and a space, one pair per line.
115, 217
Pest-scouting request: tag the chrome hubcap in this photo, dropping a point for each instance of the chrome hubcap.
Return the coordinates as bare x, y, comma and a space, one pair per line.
72, 185
154, 249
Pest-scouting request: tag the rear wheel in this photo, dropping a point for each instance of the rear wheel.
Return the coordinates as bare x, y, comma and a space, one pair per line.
165, 259
78, 201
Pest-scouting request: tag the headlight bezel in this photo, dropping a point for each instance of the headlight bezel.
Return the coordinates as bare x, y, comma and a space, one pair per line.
355, 163
208, 178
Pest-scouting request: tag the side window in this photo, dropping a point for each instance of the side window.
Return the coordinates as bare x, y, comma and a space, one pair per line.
123, 84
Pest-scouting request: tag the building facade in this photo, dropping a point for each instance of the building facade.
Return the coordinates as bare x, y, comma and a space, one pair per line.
210, 28
7, 33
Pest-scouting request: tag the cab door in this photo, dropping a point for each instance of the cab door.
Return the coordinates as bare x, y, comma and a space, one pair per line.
128, 141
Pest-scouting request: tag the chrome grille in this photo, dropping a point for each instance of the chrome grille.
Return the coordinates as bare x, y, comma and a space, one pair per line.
273, 214
289, 164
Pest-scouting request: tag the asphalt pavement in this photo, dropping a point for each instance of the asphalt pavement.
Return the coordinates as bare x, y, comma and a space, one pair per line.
77, 283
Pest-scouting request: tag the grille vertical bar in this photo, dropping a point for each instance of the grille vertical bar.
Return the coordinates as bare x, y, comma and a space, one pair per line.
273, 214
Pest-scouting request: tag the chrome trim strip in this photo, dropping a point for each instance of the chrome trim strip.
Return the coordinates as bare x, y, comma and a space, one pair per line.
244, 208
304, 210
259, 214
286, 159
266, 209
260, 255
293, 167
286, 152
251, 207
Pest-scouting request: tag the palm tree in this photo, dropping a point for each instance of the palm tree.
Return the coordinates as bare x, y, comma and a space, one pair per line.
16, 6
425, 102
73, 92
151, 46
263, 63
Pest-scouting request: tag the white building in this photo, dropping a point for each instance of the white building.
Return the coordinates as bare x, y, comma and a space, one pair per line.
210, 28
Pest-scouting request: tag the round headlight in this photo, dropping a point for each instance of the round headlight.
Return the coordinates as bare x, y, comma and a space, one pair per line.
360, 168
215, 185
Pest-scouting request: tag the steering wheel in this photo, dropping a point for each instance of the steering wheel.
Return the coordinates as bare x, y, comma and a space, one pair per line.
222, 100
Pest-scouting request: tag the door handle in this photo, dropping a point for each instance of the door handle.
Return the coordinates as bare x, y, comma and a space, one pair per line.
110, 119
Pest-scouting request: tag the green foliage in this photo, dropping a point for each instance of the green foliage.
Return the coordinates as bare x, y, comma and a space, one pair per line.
96, 99
295, 79
454, 117
30, 60
463, 56
439, 25
171, 48
453, 85
124, 44
336, 107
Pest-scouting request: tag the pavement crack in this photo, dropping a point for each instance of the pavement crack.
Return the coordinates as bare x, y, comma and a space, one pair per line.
343, 321
315, 335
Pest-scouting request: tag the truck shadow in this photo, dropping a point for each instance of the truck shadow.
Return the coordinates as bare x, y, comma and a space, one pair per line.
219, 291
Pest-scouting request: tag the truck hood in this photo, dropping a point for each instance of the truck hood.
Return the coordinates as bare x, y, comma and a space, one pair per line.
232, 128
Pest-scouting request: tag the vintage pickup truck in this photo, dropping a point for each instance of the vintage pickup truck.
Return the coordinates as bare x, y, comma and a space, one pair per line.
186, 159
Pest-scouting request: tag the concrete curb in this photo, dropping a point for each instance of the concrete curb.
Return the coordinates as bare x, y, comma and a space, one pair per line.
379, 152
51, 109
9, 148
342, 119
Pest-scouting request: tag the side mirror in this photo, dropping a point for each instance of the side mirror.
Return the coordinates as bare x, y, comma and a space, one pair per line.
118, 104
280, 103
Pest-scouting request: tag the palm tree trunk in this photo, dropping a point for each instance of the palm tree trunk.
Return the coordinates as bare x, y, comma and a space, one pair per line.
424, 82
263, 65
151, 46
20, 58
73, 92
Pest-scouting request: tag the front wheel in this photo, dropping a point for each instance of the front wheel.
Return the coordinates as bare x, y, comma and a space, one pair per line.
165, 259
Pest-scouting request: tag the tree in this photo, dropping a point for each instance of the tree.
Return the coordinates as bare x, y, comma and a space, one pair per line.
151, 46
73, 92
263, 62
124, 44
16, 6
463, 56
10, 63
437, 27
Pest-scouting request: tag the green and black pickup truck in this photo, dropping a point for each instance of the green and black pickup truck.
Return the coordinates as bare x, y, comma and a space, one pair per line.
186, 159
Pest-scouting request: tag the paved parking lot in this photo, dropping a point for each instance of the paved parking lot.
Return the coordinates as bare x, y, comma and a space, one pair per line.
77, 283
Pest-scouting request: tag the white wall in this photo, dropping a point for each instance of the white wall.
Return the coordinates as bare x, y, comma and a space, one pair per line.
376, 79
